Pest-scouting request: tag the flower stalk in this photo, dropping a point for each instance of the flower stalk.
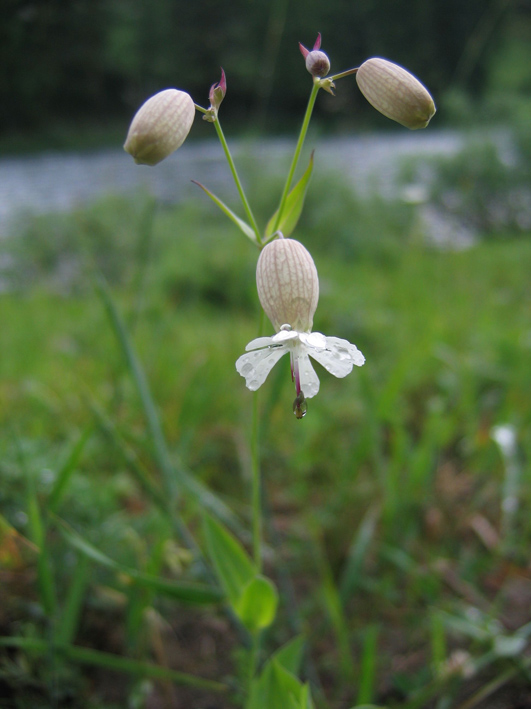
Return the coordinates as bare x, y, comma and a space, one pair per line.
237, 181
298, 148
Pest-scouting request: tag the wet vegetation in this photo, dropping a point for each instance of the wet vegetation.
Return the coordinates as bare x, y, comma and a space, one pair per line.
397, 519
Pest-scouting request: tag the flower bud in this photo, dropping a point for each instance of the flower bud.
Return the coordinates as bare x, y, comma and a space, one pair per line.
288, 284
217, 92
395, 92
318, 64
160, 126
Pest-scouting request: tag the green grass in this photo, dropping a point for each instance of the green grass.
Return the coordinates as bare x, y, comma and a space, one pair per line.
386, 500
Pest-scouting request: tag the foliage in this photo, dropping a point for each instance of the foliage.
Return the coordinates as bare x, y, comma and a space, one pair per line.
402, 457
486, 186
94, 59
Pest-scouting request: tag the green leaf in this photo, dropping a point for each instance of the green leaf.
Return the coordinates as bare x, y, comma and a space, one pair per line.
257, 605
290, 655
68, 468
232, 563
276, 687
247, 230
87, 656
186, 592
173, 475
68, 622
292, 207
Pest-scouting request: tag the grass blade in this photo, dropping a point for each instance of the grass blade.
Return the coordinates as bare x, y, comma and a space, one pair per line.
74, 601
357, 554
87, 656
186, 592
69, 466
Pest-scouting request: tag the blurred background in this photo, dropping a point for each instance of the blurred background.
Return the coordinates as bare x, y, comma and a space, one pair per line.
397, 522
68, 67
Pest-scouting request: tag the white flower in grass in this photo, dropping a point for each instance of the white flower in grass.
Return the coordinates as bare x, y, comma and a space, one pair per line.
288, 288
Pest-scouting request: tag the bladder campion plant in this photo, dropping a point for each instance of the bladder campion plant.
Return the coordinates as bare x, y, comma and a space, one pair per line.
288, 290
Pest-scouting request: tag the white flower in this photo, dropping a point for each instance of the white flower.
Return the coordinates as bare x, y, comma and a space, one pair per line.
336, 355
288, 289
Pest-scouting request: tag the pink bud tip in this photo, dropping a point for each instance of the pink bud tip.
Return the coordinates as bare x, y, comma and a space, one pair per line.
317, 44
304, 51
223, 82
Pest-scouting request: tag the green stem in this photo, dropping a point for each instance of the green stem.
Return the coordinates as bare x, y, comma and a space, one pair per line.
254, 656
256, 493
236, 178
342, 75
256, 487
298, 148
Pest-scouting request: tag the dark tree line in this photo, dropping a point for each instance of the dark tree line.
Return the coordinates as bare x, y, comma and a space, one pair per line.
89, 59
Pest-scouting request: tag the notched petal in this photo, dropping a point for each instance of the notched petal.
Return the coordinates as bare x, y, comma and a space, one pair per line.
339, 356
255, 366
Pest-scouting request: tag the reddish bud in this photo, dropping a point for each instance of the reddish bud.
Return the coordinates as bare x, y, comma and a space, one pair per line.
217, 92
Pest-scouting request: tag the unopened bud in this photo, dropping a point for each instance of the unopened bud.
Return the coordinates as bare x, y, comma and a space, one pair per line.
288, 284
395, 92
217, 92
317, 63
160, 126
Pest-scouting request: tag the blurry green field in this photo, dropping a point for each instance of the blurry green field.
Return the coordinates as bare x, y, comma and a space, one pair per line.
391, 502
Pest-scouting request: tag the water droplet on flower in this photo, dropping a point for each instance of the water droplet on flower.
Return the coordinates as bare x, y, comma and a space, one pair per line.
247, 369
285, 327
253, 385
300, 407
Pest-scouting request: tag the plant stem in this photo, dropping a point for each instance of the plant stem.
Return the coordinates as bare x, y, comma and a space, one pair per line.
236, 178
254, 655
256, 486
304, 129
342, 75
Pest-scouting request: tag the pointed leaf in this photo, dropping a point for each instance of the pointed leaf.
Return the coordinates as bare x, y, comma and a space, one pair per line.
233, 566
247, 230
290, 655
292, 207
68, 468
257, 605
276, 687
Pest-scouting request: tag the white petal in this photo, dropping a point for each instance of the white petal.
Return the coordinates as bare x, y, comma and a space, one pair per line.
339, 356
259, 343
284, 335
357, 357
256, 365
308, 378
313, 339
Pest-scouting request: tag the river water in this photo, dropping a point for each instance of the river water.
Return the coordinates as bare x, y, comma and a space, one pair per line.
55, 181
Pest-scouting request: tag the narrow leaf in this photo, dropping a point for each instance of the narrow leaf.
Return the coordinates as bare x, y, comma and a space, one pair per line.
69, 466
247, 230
172, 475
357, 554
87, 656
69, 620
186, 592
292, 207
